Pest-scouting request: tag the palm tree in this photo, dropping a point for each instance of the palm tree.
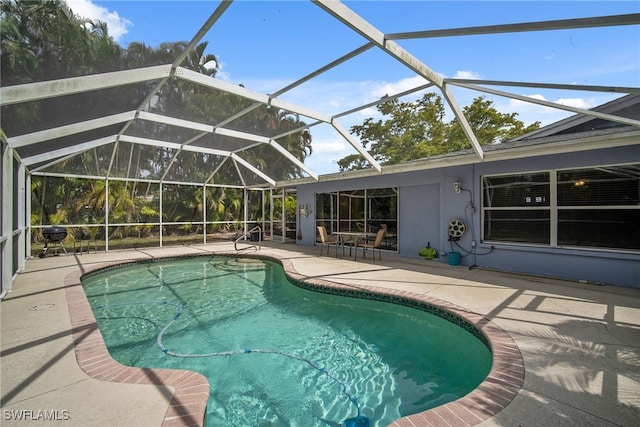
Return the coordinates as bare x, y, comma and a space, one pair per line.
43, 40
199, 61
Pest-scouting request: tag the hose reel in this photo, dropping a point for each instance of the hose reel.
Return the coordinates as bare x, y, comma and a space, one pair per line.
456, 229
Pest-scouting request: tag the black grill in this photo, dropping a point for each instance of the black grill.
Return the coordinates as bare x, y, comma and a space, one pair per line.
53, 235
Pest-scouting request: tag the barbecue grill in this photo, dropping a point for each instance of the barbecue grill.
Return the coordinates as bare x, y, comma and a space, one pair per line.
53, 236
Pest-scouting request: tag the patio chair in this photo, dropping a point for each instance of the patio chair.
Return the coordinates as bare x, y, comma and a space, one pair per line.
388, 236
373, 245
326, 240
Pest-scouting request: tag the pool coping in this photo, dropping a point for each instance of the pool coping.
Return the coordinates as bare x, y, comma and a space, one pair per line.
191, 390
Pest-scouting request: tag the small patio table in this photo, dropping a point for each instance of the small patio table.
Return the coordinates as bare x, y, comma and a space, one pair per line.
356, 236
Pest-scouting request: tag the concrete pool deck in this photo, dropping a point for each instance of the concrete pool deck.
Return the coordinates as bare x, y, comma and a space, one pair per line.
580, 343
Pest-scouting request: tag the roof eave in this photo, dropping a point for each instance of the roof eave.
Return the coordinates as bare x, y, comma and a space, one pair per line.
586, 142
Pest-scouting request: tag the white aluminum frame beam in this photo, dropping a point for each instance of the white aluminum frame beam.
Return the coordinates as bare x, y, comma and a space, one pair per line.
6, 241
222, 7
560, 24
22, 215
226, 132
59, 132
239, 172
368, 31
173, 121
359, 148
241, 135
239, 114
73, 149
201, 79
383, 100
58, 160
365, 29
50, 89
173, 145
253, 169
234, 89
264, 140
297, 83
303, 111
356, 109
324, 69
215, 171
292, 158
604, 116
466, 128
220, 10
176, 146
539, 85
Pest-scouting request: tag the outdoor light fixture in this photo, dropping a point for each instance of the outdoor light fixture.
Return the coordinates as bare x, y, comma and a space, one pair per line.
456, 187
305, 210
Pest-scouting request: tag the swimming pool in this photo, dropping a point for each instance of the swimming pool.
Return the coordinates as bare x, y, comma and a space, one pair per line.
322, 357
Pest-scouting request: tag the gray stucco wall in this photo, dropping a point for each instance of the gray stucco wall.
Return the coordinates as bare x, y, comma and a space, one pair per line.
419, 218
428, 202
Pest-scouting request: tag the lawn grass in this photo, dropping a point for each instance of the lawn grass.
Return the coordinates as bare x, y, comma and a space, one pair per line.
128, 243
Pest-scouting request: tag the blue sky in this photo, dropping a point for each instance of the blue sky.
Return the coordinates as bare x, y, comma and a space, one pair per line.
266, 45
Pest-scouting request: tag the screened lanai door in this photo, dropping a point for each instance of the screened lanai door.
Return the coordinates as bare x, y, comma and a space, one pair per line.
282, 222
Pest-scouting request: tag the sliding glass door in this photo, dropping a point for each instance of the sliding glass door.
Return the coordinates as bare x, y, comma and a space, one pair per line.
366, 211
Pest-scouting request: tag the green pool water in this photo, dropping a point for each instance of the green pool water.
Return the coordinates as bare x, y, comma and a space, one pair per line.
293, 357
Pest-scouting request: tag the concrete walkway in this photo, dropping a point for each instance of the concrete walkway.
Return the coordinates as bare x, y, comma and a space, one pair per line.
580, 343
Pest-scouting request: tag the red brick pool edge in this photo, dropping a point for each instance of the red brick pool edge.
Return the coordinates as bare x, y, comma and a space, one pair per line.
497, 390
188, 404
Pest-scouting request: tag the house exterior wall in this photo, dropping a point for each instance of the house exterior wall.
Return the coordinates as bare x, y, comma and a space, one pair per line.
428, 202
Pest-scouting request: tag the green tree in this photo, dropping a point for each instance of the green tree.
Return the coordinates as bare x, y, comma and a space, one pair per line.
415, 130
44, 40
489, 125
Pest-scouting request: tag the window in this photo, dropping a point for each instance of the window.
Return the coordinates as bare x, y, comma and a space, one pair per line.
590, 207
351, 211
516, 208
599, 207
326, 209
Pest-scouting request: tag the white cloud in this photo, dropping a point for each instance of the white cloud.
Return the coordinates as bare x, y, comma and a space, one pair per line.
530, 112
519, 104
334, 97
461, 74
583, 103
221, 73
380, 89
330, 97
368, 112
326, 153
329, 146
117, 25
